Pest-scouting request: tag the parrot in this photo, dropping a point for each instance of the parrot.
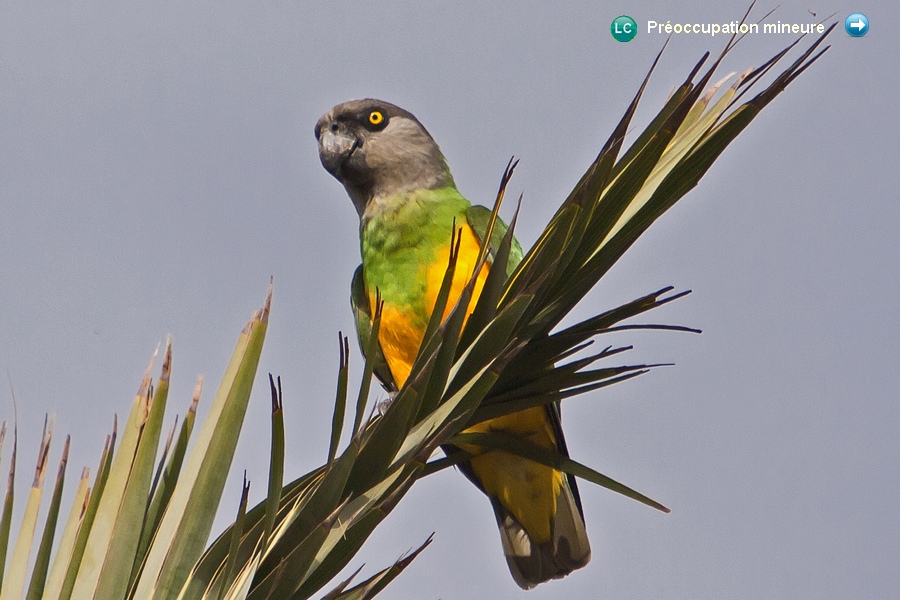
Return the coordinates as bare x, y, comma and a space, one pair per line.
400, 184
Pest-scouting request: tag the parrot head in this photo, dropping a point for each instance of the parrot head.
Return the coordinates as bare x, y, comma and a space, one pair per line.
376, 149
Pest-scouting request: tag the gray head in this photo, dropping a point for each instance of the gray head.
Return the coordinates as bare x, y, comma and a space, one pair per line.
377, 149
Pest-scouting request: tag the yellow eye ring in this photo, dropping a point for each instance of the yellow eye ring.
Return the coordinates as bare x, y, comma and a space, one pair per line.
375, 117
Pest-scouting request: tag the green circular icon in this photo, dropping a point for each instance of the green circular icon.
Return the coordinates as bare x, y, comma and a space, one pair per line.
623, 28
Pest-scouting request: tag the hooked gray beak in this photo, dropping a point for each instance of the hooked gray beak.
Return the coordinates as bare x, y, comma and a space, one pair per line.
335, 147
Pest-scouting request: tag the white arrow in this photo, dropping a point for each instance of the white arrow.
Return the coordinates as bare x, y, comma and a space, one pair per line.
858, 24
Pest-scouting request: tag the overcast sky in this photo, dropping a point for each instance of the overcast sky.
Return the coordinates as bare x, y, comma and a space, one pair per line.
157, 165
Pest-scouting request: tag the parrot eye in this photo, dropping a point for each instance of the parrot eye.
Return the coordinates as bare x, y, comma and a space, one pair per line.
376, 119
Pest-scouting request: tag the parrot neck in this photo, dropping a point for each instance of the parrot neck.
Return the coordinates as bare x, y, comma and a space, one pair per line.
380, 205
375, 200
411, 172
413, 212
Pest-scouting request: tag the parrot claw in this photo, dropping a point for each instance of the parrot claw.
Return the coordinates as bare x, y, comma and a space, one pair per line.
382, 405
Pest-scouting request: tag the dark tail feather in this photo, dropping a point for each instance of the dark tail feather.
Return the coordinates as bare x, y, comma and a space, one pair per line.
532, 563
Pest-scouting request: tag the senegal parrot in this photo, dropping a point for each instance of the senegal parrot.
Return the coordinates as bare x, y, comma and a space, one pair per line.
401, 186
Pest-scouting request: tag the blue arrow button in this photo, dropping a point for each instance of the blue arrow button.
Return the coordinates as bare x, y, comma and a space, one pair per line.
857, 25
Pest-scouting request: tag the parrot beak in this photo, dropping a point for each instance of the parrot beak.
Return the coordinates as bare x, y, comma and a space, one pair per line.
335, 147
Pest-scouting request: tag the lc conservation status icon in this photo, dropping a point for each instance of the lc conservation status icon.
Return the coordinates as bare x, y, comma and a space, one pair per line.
623, 28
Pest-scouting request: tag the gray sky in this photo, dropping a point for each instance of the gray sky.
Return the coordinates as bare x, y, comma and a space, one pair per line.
157, 165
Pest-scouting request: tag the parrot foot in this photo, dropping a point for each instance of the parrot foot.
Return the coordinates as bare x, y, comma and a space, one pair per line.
382, 405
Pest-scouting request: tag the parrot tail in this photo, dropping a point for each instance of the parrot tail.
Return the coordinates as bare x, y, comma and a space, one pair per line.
532, 563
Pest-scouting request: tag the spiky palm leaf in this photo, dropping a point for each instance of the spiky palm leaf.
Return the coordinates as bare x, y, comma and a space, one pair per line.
115, 528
